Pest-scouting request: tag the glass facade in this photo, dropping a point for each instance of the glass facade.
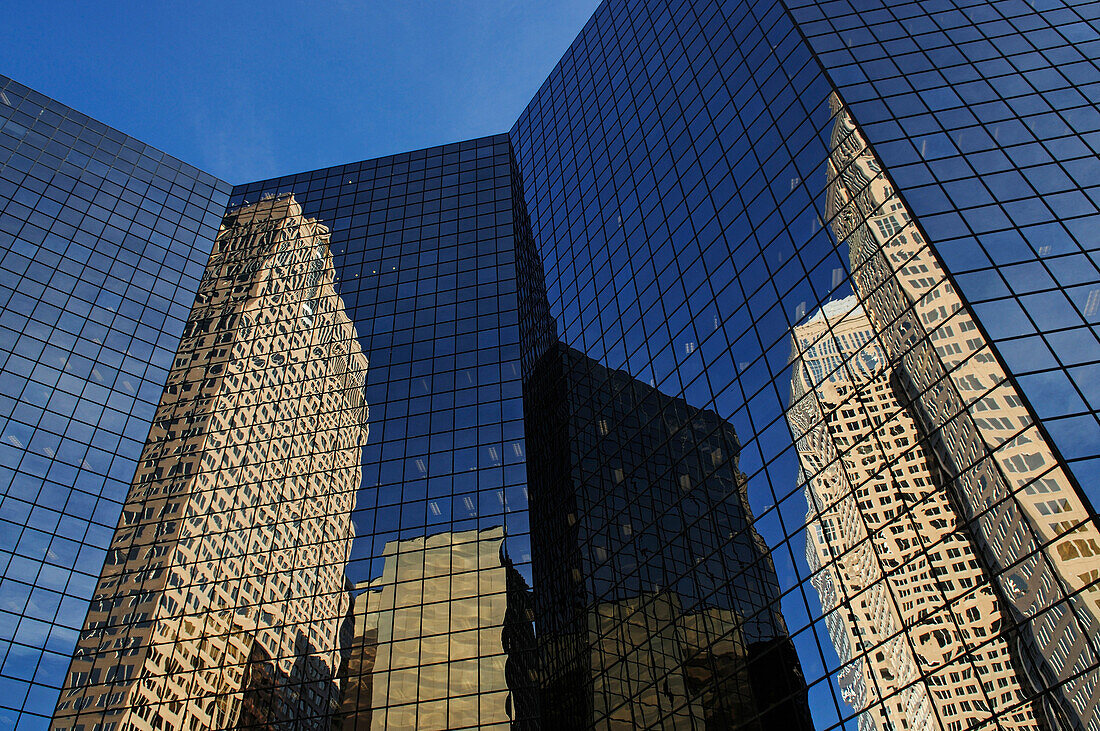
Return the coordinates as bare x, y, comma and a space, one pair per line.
424, 246
698, 191
985, 116
224, 586
657, 601
746, 382
103, 242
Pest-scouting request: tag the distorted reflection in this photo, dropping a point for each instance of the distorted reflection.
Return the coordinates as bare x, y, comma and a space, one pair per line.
224, 589
1032, 531
908, 605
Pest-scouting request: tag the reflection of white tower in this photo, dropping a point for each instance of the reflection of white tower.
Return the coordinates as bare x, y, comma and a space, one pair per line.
909, 607
436, 618
1024, 513
224, 589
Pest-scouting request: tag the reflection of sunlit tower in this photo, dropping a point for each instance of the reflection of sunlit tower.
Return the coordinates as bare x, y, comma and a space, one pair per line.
223, 593
1032, 526
908, 606
442, 638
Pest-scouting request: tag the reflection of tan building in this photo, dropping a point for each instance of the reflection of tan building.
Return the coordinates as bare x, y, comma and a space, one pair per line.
634, 641
700, 659
909, 606
428, 637
223, 592
357, 693
1024, 512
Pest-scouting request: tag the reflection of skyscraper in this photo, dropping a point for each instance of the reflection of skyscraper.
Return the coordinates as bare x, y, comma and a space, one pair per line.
424, 246
357, 690
908, 604
224, 588
657, 602
1030, 523
433, 638
672, 169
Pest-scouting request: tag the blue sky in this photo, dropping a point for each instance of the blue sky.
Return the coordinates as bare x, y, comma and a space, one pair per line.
248, 91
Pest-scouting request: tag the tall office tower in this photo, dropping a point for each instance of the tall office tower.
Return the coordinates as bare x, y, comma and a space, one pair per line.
675, 166
225, 578
425, 248
426, 624
888, 545
672, 184
1033, 526
102, 243
657, 600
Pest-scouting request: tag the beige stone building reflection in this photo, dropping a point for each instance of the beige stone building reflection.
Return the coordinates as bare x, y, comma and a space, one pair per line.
429, 647
1026, 517
701, 658
223, 594
909, 606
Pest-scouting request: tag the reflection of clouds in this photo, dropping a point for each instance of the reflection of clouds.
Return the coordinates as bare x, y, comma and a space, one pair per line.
32, 631
1052, 394
19, 652
33, 636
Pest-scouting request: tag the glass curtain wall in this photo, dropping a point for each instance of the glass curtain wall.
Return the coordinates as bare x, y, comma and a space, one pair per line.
103, 240
748, 381
713, 220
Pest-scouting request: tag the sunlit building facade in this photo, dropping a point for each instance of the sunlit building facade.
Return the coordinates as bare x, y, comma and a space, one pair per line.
1029, 520
225, 578
910, 604
583, 335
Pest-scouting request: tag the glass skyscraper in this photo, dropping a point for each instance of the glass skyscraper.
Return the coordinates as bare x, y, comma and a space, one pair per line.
104, 241
748, 381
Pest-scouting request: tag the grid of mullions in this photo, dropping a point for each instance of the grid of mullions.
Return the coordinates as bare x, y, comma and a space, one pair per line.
864, 415
1012, 463
985, 115
225, 582
675, 598
675, 168
678, 201
425, 256
659, 231
103, 240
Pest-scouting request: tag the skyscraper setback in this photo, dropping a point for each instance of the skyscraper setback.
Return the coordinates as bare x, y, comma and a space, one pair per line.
748, 381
